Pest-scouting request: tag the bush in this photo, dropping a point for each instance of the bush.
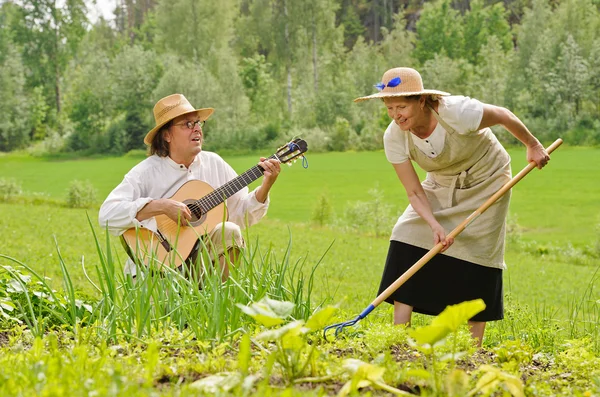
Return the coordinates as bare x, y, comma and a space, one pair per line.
9, 188
322, 210
81, 194
374, 216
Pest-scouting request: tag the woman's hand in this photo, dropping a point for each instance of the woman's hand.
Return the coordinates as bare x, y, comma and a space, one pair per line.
538, 154
439, 235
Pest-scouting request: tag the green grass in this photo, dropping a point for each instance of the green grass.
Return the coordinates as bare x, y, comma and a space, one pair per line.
543, 283
554, 205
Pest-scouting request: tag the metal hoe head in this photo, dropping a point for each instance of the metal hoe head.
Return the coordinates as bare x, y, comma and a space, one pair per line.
339, 327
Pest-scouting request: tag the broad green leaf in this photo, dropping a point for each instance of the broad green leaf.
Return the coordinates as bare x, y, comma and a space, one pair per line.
419, 373
321, 319
5, 305
347, 388
292, 340
278, 333
268, 312
430, 334
262, 314
282, 308
514, 386
457, 383
363, 370
456, 315
488, 382
217, 383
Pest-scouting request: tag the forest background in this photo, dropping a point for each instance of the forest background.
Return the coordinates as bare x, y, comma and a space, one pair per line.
274, 69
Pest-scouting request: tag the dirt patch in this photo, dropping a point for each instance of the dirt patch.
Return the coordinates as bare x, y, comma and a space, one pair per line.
3, 339
476, 360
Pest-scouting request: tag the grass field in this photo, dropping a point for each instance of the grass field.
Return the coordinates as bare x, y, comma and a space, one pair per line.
556, 206
551, 327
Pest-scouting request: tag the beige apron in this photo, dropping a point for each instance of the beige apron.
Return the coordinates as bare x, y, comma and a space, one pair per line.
469, 170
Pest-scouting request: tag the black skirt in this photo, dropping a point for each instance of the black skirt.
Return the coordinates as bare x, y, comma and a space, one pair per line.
442, 281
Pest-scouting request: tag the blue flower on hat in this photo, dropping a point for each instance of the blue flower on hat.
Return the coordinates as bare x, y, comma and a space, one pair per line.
392, 83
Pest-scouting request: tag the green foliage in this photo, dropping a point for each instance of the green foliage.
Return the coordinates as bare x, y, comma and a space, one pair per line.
81, 194
322, 212
9, 189
373, 216
15, 121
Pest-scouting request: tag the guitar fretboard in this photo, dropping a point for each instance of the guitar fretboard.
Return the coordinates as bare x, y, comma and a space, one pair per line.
222, 193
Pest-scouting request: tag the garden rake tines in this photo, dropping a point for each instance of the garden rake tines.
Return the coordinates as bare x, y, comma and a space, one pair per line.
437, 248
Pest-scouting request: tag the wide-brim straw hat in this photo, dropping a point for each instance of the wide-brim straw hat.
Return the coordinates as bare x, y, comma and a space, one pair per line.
170, 107
400, 82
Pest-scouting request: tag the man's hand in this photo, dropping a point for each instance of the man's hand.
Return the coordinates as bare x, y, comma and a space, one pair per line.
174, 209
272, 168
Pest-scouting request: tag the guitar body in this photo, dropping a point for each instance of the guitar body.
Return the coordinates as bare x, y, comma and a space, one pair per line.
173, 243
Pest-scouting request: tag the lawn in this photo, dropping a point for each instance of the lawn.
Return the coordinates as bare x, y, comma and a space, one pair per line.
550, 289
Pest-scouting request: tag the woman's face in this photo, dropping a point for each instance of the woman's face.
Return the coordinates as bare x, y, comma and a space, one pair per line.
407, 113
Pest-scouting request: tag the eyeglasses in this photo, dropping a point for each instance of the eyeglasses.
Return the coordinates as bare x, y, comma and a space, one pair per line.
190, 124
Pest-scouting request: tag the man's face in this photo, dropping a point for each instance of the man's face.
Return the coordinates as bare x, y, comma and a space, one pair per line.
184, 142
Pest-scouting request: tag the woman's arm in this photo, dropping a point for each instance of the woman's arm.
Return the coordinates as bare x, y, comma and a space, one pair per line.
496, 115
418, 199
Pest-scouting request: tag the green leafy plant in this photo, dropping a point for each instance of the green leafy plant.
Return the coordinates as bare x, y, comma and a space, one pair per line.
81, 194
366, 375
292, 352
9, 189
322, 211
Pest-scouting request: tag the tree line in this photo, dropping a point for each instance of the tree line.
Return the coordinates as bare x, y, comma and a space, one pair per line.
274, 69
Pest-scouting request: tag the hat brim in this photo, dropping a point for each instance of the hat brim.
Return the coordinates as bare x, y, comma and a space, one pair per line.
397, 94
203, 115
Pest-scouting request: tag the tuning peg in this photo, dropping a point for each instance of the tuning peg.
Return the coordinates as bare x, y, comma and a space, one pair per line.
289, 164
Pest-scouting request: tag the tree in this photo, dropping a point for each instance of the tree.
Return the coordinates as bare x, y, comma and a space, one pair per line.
438, 32
52, 38
15, 120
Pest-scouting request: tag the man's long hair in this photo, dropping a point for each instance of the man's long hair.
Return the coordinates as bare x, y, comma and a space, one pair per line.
159, 145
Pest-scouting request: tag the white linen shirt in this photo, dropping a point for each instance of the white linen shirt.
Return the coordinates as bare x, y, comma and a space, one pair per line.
462, 113
160, 177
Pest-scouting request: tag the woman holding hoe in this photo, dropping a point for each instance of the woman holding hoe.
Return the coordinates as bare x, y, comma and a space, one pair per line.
448, 137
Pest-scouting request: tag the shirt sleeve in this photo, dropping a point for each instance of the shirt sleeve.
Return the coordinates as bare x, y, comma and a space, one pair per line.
243, 207
394, 144
462, 113
118, 211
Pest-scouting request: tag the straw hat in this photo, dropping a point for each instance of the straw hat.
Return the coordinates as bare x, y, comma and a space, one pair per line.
400, 82
171, 107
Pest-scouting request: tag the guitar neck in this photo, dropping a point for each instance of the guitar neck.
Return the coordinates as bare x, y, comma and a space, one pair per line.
222, 193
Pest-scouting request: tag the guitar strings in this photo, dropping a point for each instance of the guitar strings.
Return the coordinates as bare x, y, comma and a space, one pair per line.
197, 207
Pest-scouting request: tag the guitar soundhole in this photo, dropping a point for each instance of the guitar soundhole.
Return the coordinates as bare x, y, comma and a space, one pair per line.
198, 216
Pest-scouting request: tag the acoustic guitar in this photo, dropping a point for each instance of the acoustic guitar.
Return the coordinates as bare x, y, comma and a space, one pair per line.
172, 242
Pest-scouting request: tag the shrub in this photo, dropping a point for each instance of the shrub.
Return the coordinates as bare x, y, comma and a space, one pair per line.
9, 188
81, 194
374, 216
322, 211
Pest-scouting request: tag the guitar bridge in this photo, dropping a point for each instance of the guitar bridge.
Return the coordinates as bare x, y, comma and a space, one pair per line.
161, 239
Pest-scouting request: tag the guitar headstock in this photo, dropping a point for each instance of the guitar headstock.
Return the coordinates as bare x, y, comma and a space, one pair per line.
291, 150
